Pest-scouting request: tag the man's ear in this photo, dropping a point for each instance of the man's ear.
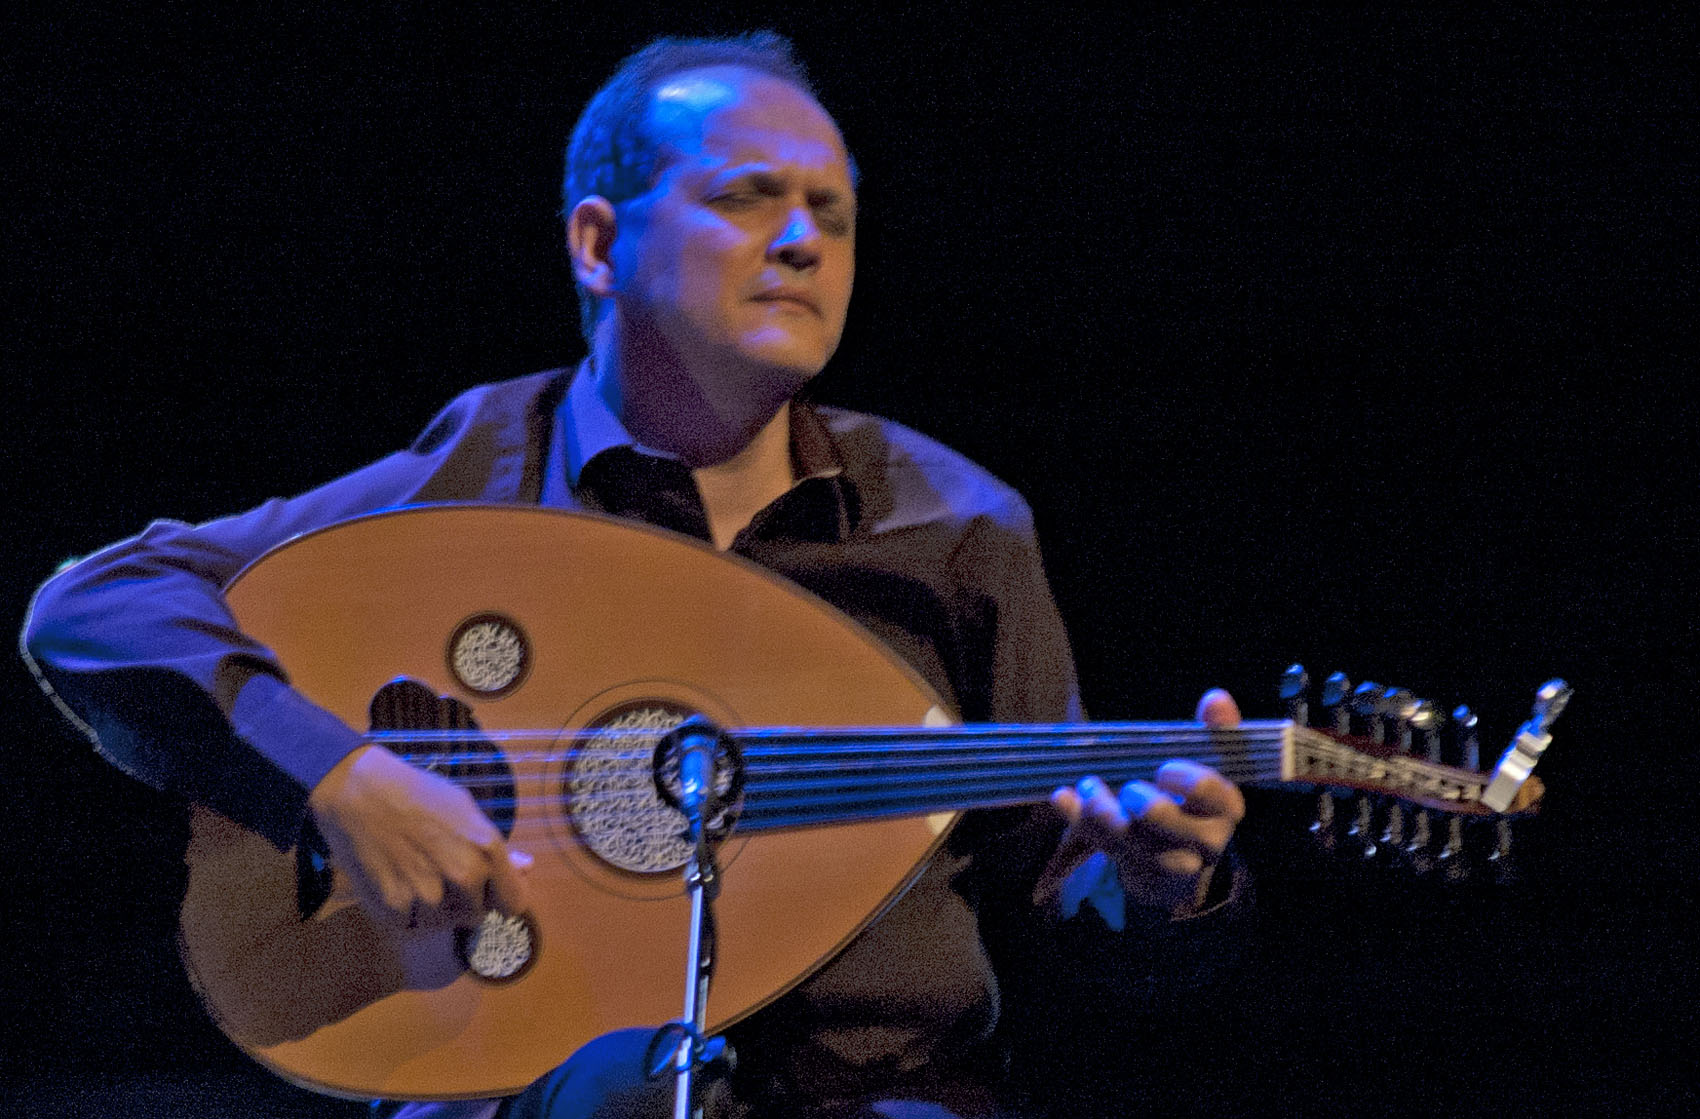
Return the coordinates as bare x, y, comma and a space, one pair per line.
590, 244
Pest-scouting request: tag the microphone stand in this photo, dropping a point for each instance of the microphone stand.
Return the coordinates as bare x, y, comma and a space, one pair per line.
693, 1051
697, 744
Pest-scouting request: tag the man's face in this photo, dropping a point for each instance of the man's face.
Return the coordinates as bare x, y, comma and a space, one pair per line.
738, 261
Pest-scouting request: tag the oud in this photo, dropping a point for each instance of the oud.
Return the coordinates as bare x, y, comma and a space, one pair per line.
536, 657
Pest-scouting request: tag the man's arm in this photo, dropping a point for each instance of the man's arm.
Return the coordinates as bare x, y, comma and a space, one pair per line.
137, 645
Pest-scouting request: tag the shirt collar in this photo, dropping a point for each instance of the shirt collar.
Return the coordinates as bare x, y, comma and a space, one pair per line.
585, 427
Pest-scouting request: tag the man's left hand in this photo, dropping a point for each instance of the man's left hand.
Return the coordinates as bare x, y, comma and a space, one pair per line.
1164, 836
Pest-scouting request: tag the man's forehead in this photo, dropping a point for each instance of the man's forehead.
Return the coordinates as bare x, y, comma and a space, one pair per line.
695, 93
717, 110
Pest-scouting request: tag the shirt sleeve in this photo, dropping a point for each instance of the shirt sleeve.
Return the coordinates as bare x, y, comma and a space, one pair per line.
137, 646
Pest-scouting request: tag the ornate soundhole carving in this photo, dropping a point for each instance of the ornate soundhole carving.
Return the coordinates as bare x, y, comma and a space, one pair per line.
489, 654
499, 949
610, 791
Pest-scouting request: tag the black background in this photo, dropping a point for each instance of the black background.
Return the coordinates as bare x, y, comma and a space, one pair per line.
1357, 338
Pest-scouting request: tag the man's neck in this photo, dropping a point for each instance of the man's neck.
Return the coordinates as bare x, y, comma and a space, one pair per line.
735, 490
733, 487
702, 415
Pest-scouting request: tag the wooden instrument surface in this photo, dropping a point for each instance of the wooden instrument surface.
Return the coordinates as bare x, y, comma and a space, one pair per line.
613, 612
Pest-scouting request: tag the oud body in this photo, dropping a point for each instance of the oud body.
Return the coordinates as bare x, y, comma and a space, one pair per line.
613, 618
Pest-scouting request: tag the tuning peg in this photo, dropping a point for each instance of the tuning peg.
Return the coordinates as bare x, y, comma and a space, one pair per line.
1295, 682
1419, 716
1323, 826
1416, 849
1361, 824
1451, 855
1504, 867
1398, 705
1469, 747
1501, 840
1550, 702
1393, 835
1335, 689
1454, 838
1368, 703
1421, 832
1426, 719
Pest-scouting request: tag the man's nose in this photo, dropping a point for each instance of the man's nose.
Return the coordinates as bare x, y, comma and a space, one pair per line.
798, 243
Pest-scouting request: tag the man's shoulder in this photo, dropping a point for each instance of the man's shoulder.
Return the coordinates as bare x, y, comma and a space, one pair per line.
495, 403
918, 479
484, 445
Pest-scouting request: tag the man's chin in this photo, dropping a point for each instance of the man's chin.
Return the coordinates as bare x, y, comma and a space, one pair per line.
784, 366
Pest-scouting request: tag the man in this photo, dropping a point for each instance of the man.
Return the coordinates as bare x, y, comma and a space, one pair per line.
710, 213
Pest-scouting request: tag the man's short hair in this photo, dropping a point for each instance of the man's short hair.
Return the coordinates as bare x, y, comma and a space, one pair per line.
612, 152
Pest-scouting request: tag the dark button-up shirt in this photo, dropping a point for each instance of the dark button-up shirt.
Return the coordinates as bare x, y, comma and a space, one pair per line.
928, 551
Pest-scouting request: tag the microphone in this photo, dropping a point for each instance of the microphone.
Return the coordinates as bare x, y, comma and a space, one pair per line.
697, 746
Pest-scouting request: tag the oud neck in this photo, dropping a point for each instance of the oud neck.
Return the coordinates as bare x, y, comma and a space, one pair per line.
797, 777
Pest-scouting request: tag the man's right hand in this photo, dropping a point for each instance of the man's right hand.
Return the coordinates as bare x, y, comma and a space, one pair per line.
416, 847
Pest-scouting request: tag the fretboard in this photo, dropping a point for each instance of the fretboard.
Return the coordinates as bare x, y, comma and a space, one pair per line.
797, 776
